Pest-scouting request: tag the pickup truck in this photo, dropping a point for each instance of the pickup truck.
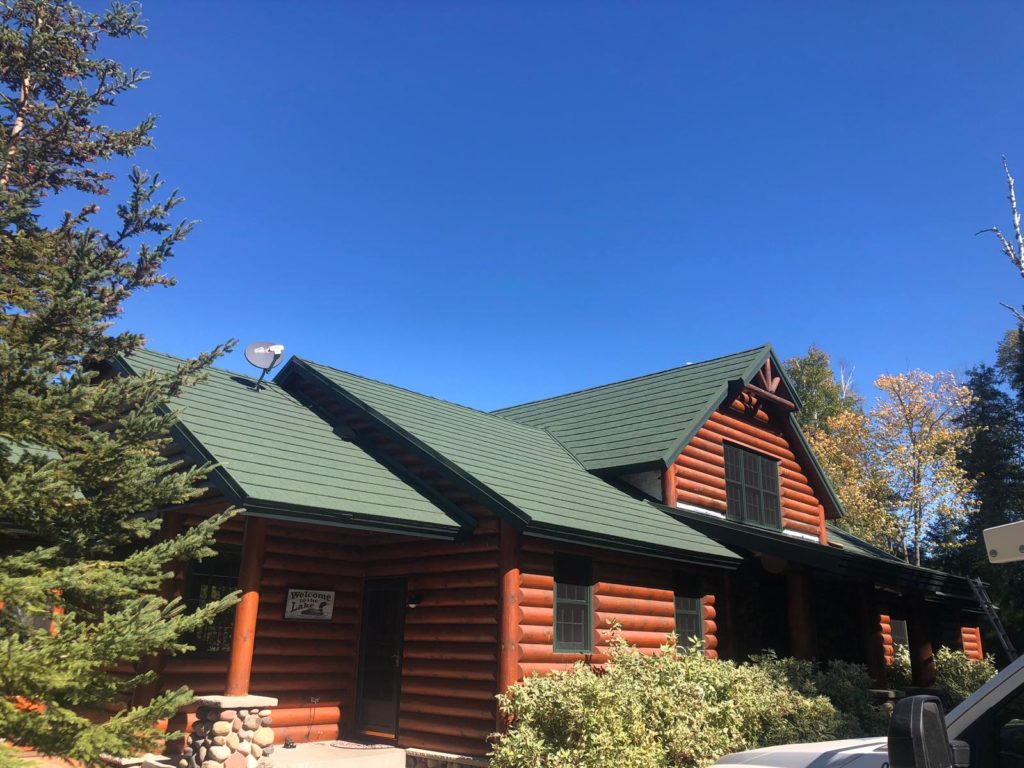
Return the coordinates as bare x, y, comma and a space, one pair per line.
984, 731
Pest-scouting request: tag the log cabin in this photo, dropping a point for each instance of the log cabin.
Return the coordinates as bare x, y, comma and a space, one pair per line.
403, 559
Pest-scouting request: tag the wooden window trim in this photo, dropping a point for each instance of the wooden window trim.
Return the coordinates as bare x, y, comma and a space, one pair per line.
741, 489
571, 571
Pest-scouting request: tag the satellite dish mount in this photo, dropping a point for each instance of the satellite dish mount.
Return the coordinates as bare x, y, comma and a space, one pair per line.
265, 355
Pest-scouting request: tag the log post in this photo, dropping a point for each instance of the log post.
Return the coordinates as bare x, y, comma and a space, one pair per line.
922, 656
668, 486
801, 621
244, 636
508, 663
874, 645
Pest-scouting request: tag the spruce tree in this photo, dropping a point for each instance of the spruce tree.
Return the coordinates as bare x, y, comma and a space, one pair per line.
82, 469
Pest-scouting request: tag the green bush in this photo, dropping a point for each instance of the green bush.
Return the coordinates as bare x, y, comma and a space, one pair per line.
898, 673
846, 685
956, 675
673, 708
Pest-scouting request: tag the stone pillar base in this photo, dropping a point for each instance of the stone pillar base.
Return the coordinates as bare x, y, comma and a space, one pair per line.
230, 732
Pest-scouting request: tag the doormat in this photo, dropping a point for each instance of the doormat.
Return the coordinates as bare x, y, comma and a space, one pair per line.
355, 745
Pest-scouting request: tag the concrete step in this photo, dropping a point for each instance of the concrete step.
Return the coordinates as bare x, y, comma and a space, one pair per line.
320, 754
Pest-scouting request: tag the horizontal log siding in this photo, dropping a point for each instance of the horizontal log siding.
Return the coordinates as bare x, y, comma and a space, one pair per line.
450, 654
640, 598
700, 468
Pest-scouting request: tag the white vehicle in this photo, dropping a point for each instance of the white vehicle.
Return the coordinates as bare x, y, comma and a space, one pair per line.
985, 731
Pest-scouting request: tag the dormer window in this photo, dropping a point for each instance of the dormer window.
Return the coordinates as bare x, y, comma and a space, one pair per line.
752, 487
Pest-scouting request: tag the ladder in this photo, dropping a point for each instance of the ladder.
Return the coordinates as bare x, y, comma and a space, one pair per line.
981, 595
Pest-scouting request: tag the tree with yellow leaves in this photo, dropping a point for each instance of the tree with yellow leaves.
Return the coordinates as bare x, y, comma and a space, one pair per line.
845, 450
916, 439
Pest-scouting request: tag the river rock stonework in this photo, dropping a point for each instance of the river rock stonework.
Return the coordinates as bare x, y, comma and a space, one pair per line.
231, 732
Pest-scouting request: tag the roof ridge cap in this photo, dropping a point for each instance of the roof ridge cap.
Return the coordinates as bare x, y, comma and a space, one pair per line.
498, 411
470, 409
212, 367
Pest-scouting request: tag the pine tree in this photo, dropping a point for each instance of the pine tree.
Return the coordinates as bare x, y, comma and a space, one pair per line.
995, 459
81, 464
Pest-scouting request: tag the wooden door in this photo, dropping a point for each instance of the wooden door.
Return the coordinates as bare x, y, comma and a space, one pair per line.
380, 657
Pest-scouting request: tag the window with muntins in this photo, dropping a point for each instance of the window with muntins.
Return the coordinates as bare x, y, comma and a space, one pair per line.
573, 605
689, 619
752, 487
208, 580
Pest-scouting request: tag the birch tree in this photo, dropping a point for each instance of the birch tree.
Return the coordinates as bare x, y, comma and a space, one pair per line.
917, 439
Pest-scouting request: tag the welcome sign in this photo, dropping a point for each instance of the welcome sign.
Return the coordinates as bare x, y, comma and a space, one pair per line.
309, 604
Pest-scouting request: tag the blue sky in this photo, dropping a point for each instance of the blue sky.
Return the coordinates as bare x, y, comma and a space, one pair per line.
495, 202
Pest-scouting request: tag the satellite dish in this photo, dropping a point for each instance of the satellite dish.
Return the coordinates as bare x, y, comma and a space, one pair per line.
265, 355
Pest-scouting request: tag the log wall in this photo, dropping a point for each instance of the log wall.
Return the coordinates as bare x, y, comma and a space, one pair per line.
639, 597
450, 655
700, 467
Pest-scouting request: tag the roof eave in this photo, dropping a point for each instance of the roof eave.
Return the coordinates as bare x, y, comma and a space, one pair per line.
617, 544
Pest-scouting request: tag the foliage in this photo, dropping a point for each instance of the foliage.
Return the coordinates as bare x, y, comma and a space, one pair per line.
956, 675
846, 453
840, 434
918, 440
673, 708
899, 674
823, 398
845, 684
81, 464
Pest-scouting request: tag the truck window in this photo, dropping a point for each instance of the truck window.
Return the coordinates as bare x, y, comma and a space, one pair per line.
1009, 731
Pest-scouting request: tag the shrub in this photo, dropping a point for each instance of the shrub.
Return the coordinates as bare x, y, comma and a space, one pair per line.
847, 686
956, 675
898, 673
673, 708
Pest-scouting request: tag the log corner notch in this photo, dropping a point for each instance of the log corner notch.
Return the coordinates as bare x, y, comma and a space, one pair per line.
508, 662
243, 638
970, 641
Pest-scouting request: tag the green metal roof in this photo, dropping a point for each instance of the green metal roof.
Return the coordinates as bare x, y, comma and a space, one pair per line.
523, 469
278, 458
854, 558
641, 421
648, 420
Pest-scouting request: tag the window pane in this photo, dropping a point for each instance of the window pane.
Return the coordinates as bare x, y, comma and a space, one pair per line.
733, 470
751, 469
769, 475
571, 591
572, 604
771, 509
899, 632
734, 499
571, 624
689, 623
